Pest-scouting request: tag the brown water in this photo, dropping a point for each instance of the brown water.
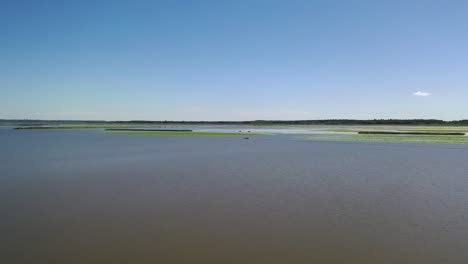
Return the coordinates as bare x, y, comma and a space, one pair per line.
84, 197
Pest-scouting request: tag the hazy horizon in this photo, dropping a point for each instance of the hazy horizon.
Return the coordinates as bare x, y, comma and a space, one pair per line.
233, 61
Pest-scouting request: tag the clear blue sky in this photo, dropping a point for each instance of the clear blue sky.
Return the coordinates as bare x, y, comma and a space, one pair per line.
233, 60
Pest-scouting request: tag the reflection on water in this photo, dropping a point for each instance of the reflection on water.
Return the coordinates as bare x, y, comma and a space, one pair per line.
85, 197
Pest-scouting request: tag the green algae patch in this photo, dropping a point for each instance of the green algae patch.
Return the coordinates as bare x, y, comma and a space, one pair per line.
394, 138
183, 133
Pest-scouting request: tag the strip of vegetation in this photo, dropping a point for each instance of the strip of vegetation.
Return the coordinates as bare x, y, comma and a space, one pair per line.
411, 133
71, 127
396, 131
174, 133
436, 130
148, 130
393, 138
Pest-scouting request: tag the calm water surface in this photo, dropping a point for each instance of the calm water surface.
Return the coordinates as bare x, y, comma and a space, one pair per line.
84, 197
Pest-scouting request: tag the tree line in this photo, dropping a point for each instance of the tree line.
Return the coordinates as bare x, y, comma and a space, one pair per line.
435, 122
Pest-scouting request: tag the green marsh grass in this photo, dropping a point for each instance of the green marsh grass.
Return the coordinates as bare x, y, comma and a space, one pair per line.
184, 133
394, 138
71, 127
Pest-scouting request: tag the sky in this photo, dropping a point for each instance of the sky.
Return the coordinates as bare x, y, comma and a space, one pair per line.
233, 60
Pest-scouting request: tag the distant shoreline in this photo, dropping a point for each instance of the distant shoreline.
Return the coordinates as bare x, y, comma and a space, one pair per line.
332, 122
